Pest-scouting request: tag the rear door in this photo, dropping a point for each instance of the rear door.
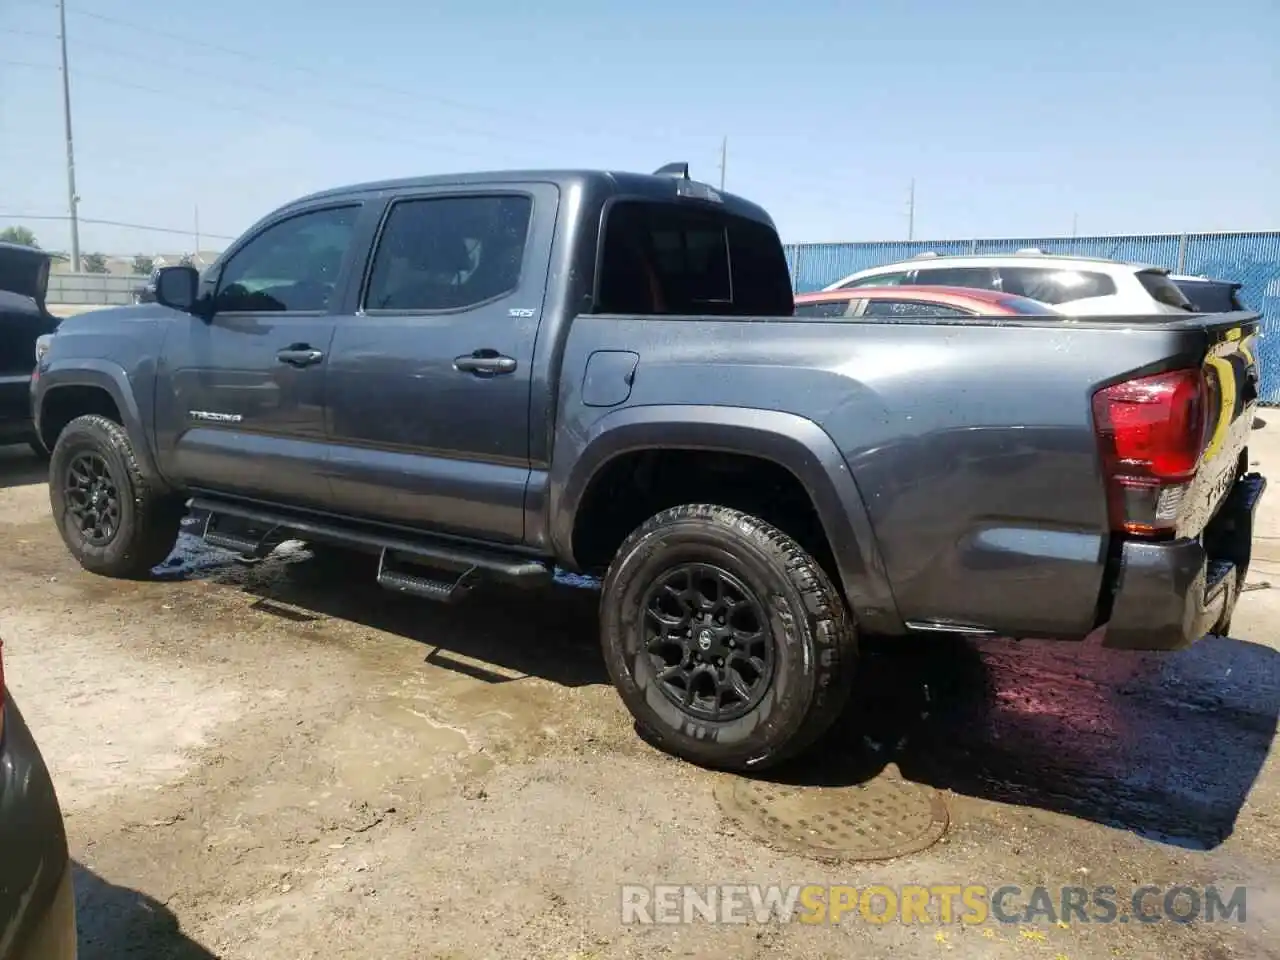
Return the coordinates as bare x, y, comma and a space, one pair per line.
429, 383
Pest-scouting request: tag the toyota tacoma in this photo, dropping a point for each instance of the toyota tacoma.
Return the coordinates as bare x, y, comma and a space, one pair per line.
484, 377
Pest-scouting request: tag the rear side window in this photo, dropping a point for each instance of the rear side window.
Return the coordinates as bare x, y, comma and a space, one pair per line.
879, 280
824, 308
449, 253
979, 278
911, 308
1163, 290
1054, 285
667, 258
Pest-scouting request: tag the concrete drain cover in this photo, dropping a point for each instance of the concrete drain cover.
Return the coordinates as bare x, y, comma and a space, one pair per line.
877, 820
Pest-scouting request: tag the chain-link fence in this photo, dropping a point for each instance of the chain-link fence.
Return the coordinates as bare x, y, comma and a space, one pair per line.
1252, 259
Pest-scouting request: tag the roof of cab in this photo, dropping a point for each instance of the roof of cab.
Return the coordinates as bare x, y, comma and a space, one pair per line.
657, 186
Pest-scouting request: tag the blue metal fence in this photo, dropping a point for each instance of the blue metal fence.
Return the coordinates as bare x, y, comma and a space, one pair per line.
1253, 259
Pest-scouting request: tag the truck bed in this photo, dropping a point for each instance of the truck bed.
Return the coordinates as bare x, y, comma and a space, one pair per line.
971, 442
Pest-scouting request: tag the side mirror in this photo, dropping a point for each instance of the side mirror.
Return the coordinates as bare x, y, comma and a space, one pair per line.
178, 288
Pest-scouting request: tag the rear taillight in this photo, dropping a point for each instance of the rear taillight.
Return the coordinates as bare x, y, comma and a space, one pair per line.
1151, 433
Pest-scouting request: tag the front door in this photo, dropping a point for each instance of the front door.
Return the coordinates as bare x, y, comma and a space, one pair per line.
430, 375
240, 395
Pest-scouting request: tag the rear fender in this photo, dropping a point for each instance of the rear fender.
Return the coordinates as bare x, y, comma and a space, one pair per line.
792, 442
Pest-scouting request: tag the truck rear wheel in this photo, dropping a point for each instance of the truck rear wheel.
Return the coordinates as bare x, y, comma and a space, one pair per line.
725, 639
113, 523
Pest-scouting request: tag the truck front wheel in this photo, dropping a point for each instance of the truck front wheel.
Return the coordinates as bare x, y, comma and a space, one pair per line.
110, 519
727, 641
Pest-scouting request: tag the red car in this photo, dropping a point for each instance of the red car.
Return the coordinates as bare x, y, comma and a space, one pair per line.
889, 302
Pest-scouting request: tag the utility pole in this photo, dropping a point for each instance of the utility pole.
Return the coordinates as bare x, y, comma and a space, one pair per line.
911, 211
72, 199
197, 249
724, 159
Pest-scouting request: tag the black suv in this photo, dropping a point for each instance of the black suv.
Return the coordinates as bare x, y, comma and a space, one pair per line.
24, 281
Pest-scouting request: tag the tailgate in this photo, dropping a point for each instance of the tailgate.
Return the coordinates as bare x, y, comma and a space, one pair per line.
1231, 374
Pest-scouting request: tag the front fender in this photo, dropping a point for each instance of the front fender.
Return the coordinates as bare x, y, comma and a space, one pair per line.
110, 378
793, 442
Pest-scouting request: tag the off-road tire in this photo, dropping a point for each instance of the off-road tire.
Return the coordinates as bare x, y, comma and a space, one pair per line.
815, 650
149, 520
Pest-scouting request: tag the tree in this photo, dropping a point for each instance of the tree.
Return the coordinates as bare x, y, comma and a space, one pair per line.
143, 265
19, 235
95, 263
187, 260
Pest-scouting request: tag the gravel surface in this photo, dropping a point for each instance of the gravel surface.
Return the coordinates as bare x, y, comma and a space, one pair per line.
280, 760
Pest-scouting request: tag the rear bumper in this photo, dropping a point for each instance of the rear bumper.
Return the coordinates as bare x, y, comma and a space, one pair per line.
37, 903
1169, 595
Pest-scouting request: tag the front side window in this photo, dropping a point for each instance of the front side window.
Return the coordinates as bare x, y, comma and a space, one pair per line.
878, 280
291, 266
670, 258
1054, 285
911, 308
449, 253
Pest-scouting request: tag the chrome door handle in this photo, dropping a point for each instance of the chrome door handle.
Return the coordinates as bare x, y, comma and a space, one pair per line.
484, 363
300, 355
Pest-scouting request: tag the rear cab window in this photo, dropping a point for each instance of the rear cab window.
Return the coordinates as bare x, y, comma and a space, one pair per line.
664, 257
1163, 290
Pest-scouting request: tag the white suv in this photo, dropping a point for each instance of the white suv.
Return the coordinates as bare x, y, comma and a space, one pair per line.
1076, 286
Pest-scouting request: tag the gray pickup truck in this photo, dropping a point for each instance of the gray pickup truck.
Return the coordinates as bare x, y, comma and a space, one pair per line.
489, 376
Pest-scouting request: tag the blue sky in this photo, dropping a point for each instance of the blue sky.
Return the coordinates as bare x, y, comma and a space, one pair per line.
1013, 117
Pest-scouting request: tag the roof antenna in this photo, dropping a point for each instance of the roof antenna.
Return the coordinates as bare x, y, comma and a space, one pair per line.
678, 170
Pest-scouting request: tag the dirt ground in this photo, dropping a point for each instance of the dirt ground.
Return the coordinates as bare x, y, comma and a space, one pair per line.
282, 761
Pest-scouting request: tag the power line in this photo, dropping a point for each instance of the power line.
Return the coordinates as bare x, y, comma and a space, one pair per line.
43, 35
237, 108
363, 110
416, 95
109, 223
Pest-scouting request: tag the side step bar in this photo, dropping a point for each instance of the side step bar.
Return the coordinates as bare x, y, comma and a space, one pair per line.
241, 538
422, 584
424, 567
